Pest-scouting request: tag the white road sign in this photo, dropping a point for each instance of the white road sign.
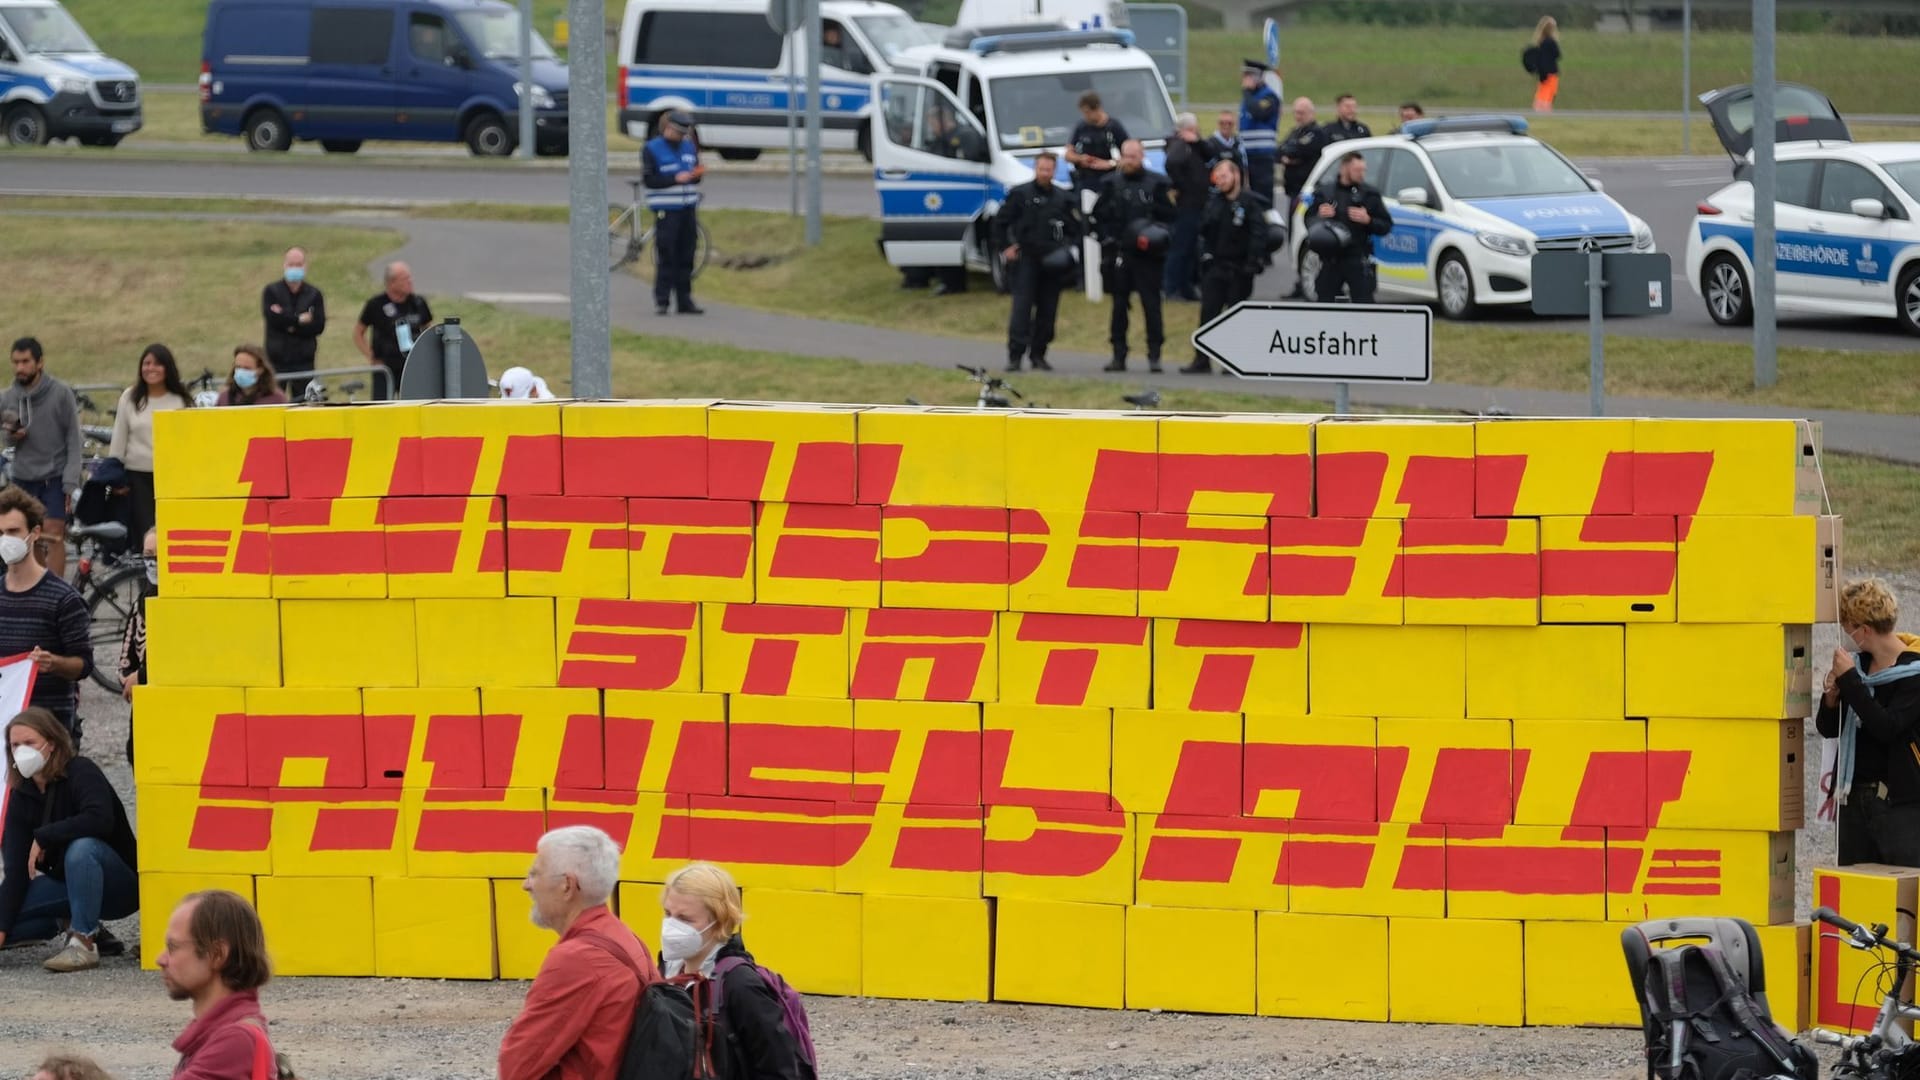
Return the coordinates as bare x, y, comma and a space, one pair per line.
1349, 343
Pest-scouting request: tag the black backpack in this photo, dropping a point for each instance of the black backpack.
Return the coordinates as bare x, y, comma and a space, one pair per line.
1704, 1025
1530, 59
673, 1030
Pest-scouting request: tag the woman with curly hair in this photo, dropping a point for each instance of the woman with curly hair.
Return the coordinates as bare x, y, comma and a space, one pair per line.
1871, 703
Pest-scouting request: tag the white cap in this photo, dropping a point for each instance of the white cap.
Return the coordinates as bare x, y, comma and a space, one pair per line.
521, 384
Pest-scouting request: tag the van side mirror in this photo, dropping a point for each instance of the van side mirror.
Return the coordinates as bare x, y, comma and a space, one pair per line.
1869, 208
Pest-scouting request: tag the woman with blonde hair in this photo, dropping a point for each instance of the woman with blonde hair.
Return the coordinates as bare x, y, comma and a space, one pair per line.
700, 935
1543, 59
1871, 703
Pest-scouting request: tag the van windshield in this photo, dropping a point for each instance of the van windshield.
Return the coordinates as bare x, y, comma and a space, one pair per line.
892, 33
1041, 110
495, 34
47, 30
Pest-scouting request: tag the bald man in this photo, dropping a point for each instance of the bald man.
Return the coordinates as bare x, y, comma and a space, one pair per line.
296, 316
392, 321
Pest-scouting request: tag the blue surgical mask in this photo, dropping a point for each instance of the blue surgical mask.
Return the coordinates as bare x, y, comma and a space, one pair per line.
244, 378
296, 274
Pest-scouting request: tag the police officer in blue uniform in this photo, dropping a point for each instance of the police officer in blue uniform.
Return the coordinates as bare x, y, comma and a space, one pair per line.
1259, 129
670, 166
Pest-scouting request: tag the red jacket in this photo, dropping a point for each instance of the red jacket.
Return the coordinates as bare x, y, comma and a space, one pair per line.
216, 1046
579, 1010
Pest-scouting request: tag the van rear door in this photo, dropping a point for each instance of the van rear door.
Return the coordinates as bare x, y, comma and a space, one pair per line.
930, 169
434, 78
348, 89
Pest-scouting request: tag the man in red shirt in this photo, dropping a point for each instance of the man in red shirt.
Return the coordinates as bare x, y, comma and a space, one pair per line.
579, 1011
216, 957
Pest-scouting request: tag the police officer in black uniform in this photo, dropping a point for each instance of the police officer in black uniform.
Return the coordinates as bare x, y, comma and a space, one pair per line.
1233, 248
1352, 210
1345, 123
1037, 231
1095, 141
1134, 218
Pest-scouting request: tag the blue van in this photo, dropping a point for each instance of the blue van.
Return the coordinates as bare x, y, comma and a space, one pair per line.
343, 71
56, 84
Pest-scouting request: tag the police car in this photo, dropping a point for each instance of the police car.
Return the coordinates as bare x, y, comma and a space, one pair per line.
1473, 198
55, 83
1846, 217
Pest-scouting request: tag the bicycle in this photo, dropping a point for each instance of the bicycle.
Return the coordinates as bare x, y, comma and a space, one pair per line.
205, 394
1886, 1052
315, 392
627, 239
111, 586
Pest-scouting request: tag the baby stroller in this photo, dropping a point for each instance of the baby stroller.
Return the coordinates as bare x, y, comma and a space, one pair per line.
1702, 988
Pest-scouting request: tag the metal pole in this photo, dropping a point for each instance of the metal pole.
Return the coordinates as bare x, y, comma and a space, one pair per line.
450, 359
1686, 76
793, 125
813, 123
1596, 335
587, 192
1342, 404
526, 78
1766, 369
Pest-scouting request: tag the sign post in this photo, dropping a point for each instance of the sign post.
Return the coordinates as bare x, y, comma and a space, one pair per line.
1595, 284
444, 363
1336, 343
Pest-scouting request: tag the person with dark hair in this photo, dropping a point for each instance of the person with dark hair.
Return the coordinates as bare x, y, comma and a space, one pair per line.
671, 168
296, 316
1095, 141
40, 614
1233, 249
158, 389
216, 957
1036, 232
1134, 218
1411, 110
1351, 213
252, 380
67, 847
41, 419
1345, 123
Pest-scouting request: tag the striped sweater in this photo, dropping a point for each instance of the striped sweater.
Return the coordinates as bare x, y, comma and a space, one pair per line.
49, 616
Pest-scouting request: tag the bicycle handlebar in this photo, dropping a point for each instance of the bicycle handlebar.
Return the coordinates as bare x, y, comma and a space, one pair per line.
1865, 937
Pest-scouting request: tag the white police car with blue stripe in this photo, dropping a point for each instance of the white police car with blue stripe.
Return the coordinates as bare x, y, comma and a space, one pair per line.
1472, 198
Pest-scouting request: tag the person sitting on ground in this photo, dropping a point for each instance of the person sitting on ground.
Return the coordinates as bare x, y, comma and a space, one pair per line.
251, 382
216, 957
70, 1067
701, 935
579, 1009
1871, 703
67, 847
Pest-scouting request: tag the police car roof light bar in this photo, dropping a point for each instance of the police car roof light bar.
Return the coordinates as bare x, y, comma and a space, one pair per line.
1051, 39
960, 37
1441, 125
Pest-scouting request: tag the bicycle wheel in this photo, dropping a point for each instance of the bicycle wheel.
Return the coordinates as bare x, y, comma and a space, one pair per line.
704, 247
111, 602
624, 238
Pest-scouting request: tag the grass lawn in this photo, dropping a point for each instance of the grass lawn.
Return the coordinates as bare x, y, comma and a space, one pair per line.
63, 272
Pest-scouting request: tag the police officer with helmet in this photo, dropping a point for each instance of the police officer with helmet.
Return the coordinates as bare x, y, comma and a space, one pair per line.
1233, 249
670, 167
1038, 232
1348, 213
1134, 218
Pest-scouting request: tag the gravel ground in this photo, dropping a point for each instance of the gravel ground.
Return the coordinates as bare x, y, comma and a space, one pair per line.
385, 1029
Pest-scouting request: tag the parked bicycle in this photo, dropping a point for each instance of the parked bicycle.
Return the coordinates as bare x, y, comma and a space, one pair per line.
110, 585
1886, 1052
316, 392
205, 389
630, 234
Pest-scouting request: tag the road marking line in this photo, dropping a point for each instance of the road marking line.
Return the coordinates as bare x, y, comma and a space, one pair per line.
517, 297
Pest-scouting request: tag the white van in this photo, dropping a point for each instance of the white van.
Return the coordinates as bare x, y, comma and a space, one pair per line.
1009, 92
55, 83
725, 63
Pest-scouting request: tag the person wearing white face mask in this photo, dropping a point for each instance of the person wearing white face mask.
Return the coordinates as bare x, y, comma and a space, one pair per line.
700, 935
67, 849
579, 1010
40, 614
1871, 703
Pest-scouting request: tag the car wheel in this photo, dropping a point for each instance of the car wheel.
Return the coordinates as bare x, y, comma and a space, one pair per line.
340, 146
26, 126
1724, 287
739, 153
266, 129
1309, 273
1455, 286
1906, 300
487, 136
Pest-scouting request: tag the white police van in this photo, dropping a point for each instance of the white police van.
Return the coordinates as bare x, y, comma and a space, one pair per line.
723, 61
55, 83
1472, 198
1846, 217
1008, 92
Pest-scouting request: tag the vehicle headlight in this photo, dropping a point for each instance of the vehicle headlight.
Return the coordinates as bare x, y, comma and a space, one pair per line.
542, 99
1505, 244
72, 86
1642, 236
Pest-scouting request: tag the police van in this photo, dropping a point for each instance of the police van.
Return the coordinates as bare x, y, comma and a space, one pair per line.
1846, 217
962, 123
723, 61
1472, 198
55, 83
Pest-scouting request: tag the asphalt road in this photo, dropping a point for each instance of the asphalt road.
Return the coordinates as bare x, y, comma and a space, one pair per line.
1663, 191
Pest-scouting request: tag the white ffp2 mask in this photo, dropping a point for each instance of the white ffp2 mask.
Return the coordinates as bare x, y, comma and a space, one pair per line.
13, 549
26, 759
680, 940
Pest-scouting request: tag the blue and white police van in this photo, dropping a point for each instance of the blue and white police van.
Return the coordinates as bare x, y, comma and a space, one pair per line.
1008, 93
1846, 217
1472, 198
724, 62
55, 83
